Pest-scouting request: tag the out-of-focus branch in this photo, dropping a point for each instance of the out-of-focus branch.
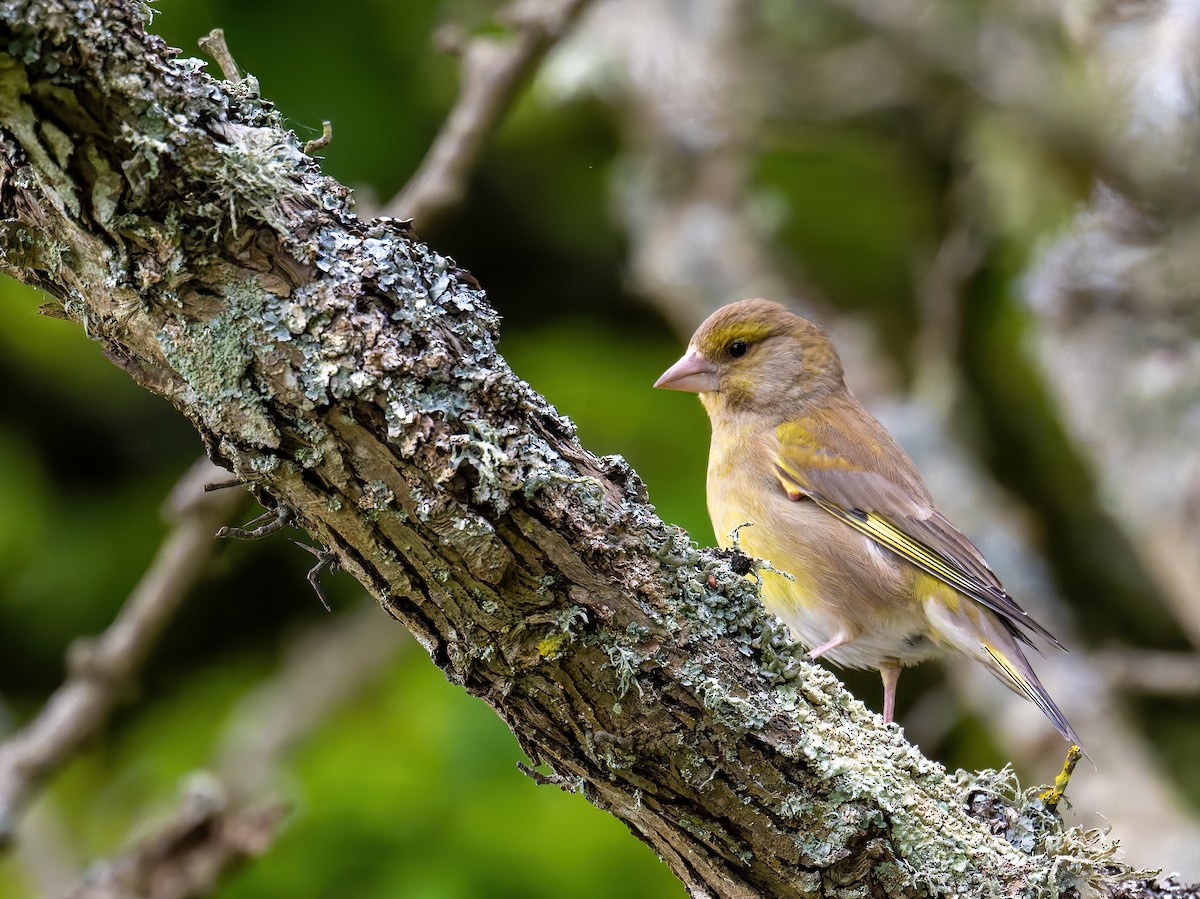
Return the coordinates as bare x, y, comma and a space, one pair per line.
493, 72
102, 669
1152, 673
1114, 300
1020, 61
322, 668
684, 92
224, 819
188, 855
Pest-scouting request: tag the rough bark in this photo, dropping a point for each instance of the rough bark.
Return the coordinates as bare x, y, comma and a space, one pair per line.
349, 374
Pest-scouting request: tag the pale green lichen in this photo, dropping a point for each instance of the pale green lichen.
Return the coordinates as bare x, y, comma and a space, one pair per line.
876, 779
376, 496
268, 464
1082, 858
261, 162
214, 358
624, 660
569, 619
564, 630
697, 770
416, 380
796, 805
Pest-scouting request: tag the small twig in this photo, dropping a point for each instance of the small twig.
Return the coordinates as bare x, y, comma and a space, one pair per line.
214, 45
1053, 796
566, 784
273, 520
188, 855
493, 72
222, 485
102, 669
326, 558
320, 143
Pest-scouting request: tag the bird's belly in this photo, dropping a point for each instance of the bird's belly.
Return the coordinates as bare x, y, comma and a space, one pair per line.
829, 582
897, 638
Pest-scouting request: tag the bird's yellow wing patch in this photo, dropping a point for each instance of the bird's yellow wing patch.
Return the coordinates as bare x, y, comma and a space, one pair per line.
887, 534
884, 531
805, 452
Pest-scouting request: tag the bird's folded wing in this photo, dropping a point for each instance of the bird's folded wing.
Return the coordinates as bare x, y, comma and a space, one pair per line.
829, 467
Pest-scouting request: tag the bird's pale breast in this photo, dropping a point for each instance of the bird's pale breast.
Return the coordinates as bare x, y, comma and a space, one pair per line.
841, 583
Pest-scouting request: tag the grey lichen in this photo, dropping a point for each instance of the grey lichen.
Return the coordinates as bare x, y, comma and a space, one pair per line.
376, 497
261, 161
625, 661
866, 767
1083, 858
218, 368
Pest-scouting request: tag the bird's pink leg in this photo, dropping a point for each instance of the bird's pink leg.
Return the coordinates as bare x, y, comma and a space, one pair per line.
890, 675
839, 640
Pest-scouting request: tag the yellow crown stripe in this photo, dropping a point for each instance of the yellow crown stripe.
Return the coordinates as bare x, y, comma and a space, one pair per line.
929, 560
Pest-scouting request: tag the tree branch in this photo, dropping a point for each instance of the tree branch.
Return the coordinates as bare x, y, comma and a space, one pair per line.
351, 373
187, 856
103, 669
493, 71
229, 816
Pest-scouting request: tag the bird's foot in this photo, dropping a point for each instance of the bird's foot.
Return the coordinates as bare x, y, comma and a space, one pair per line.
839, 640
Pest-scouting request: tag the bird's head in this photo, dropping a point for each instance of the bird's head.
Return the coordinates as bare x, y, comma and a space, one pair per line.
756, 355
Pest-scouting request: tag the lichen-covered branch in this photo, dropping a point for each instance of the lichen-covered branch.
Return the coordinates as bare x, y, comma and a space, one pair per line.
349, 373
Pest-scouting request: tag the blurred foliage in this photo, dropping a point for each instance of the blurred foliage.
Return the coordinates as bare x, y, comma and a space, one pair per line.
860, 215
411, 790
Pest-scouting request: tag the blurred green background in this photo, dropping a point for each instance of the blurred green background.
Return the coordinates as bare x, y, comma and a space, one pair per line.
411, 789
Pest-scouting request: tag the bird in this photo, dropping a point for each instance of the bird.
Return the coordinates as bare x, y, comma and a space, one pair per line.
864, 570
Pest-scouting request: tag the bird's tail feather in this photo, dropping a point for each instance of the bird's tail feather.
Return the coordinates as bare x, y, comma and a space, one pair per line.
1013, 670
982, 635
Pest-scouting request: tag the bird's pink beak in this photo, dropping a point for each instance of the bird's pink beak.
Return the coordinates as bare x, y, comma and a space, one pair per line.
692, 372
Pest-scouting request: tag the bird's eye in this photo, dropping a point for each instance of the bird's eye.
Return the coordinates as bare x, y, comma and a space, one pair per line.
738, 348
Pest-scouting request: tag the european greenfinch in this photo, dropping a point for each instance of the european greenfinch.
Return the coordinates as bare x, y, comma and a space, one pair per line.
864, 570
